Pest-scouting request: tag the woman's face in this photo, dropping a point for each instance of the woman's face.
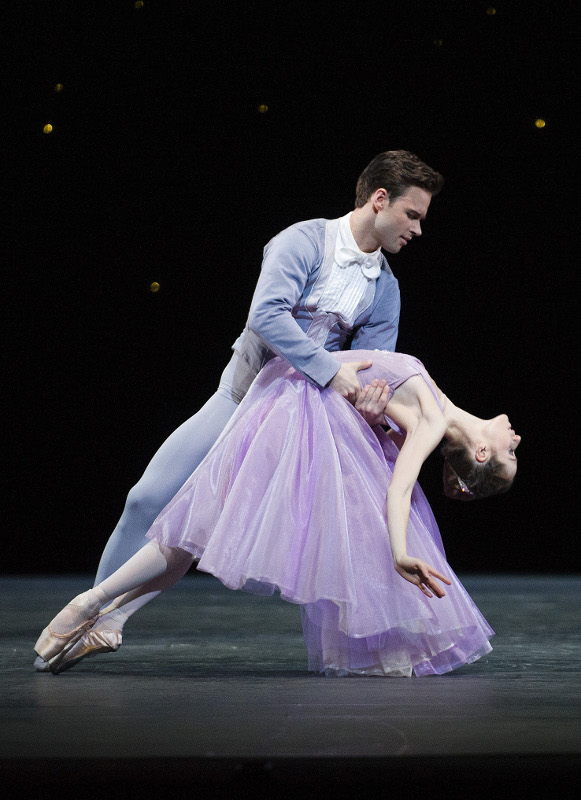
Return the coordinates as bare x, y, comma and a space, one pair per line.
503, 442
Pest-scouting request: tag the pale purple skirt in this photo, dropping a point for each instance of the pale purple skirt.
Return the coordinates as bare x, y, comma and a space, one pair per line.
293, 497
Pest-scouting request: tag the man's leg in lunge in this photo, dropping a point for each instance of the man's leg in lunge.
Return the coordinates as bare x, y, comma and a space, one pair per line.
173, 463
170, 467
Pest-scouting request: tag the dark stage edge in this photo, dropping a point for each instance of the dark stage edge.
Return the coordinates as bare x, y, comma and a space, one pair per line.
209, 697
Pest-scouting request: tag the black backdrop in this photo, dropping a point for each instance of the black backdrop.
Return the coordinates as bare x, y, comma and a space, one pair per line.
161, 167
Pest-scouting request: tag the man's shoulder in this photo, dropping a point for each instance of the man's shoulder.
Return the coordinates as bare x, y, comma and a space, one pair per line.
305, 238
308, 227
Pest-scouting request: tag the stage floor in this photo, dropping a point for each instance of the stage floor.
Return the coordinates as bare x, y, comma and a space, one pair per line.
216, 681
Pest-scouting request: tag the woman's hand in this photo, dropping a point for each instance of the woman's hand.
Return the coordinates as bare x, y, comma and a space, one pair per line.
421, 574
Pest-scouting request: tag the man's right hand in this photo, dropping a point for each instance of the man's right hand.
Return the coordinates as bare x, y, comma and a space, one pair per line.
345, 381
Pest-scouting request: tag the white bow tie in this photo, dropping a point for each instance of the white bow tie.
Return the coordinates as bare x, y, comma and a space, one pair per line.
369, 262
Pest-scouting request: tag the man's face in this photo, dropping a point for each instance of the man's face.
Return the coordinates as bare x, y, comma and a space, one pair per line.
396, 223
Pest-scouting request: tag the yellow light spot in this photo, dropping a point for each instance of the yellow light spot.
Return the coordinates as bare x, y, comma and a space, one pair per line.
139, 4
540, 123
58, 87
438, 42
47, 128
491, 11
154, 287
262, 109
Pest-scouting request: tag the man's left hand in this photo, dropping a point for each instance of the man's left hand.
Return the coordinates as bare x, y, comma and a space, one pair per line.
372, 402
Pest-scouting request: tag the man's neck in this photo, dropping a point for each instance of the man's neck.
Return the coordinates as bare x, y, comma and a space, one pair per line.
362, 227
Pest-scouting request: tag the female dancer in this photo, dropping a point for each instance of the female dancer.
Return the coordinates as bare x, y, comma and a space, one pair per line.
293, 497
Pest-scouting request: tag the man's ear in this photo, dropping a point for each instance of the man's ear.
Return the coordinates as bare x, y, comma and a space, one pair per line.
379, 199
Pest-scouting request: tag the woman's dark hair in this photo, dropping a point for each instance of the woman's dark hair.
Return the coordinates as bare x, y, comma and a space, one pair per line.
467, 479
396, 171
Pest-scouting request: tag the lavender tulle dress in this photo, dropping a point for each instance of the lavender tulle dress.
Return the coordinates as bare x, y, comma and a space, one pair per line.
293, 497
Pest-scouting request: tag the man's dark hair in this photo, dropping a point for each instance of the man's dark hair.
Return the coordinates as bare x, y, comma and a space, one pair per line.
396, 171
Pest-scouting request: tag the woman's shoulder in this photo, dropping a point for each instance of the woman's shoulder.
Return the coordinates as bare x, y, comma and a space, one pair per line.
415, 410
401, 361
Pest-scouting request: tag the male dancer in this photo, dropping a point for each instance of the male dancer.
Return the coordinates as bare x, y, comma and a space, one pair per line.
324, 286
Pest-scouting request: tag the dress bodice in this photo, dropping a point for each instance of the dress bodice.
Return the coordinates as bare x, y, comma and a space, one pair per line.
394, 368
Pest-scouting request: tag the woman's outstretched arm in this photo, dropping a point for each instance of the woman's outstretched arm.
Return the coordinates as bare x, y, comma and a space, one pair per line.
418, 444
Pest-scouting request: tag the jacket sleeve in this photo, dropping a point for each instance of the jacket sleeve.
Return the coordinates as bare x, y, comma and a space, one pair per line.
380, 330
289, 259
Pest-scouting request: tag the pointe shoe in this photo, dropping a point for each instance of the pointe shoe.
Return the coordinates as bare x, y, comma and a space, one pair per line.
41, 665
50, 643
91, 643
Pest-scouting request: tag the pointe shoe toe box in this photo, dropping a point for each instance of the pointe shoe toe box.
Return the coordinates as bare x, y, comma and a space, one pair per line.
90, 644
41, 664
50, 644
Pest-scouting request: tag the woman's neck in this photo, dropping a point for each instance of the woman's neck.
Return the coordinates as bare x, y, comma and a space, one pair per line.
460, 425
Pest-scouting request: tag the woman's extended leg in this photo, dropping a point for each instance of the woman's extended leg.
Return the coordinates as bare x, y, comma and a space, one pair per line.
153, 566
173, 463
106, 634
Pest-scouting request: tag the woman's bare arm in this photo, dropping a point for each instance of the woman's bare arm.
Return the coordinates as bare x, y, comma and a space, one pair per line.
418, 444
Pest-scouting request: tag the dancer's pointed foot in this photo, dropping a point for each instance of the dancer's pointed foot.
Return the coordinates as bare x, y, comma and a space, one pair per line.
99, 639
70, 624
106, 636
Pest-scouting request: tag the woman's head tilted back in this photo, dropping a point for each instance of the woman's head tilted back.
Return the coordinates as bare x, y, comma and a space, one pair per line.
474, 470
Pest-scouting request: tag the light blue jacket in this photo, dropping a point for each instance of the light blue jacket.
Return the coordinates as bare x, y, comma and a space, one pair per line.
283, 322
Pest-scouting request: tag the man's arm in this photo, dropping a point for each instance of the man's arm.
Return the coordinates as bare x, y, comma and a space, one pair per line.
379, 332
289, 260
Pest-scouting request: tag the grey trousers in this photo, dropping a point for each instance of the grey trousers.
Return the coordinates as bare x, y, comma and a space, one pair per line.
170, 467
